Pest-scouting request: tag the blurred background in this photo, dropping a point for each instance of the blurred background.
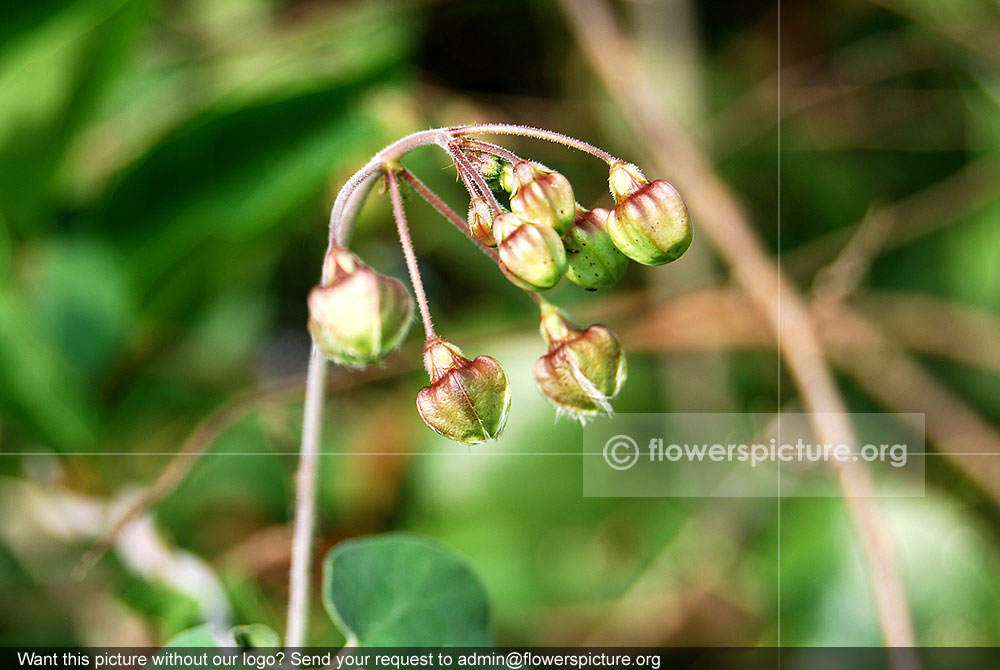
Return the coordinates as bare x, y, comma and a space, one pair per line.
166, 173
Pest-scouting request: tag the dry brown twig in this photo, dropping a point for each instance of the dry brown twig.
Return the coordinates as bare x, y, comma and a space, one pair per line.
845, 273
722, 319
963, 334
852, 69
194, 447
197, 444
723, 222
940, 205
979, 37
861, 339
893, 378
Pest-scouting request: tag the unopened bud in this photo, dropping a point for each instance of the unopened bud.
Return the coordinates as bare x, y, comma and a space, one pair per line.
356, 315
593, 259
625, 179
532, 255
650, 224
506, 179
481, 221
542, 197
467, 401
583, 370
487, 165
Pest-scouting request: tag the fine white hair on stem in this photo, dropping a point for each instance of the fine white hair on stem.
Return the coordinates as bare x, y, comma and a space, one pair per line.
305, 502
342, 215
411, 259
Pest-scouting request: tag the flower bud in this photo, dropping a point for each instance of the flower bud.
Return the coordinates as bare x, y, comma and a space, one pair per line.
650, 224
625, 179
542, 197
356, 315
531, 253
505, 180
583, 370
487, 165
481, 221
592, 258
467, 401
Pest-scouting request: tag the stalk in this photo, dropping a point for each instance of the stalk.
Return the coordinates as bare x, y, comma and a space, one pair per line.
342, 216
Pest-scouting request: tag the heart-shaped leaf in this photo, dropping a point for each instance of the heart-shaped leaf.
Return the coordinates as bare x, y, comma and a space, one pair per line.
404, 590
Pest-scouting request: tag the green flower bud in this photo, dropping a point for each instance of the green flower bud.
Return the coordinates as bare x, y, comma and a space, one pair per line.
481, 221
593, 259
531, 253
625, 179
583, 370
542, 197
650, 224
505, 180
467, 401
492, 170
488, 166
356, 315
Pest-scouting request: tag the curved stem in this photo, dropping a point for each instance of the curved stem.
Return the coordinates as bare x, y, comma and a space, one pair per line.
465, 168
442, 207
342, 215
470, 186
447, 212
538, 133
407, 244
350, 197
490, 148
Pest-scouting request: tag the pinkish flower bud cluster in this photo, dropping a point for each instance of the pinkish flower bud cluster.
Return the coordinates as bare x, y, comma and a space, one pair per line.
649, 224
537, 236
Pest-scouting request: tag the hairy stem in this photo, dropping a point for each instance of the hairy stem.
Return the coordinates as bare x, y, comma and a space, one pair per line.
407, 244
467, 171
490, 148
447, 212
442, 207
349, 200
342, 216
538, 133
470, 186
305, 503
352, 194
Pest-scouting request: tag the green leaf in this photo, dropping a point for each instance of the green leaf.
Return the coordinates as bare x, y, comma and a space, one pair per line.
255, 636
404, 590
41, 390
197, 210
199, 636
82, 301
56, 65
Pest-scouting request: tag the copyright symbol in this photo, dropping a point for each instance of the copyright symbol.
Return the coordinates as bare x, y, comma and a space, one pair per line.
621, 452
514, 659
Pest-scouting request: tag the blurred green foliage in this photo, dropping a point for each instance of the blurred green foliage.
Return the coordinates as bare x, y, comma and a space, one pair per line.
166, 170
